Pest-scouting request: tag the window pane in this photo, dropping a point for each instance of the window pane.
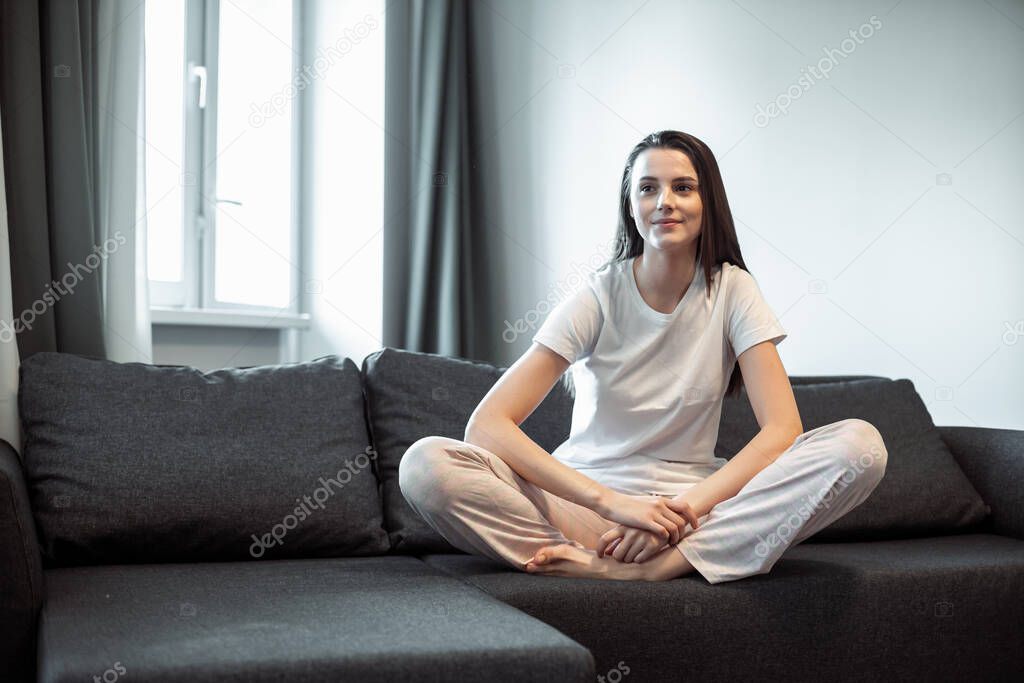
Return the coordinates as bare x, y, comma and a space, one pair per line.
165, 120
253, 251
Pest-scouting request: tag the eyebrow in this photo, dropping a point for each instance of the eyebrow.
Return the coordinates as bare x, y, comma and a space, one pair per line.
685, 177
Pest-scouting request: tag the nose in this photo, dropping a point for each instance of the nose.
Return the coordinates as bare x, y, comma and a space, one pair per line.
665, 199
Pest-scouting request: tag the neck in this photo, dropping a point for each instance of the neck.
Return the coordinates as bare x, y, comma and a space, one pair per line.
664, 277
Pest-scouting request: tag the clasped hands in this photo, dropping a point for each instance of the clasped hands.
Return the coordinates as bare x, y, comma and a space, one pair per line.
646, 525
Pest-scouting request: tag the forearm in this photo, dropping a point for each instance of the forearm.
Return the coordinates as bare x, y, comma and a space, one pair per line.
762, 450
504, 438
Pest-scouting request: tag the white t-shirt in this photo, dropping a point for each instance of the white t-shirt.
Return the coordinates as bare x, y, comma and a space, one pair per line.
649, 385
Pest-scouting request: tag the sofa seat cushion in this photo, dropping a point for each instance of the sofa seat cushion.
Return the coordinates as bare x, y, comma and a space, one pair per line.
344, 619
940, 608
410, 395
129, 463
924, 491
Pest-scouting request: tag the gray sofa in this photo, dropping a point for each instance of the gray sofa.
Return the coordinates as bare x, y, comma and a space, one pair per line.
246, 524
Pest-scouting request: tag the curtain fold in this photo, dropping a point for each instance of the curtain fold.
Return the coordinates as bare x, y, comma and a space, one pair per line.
437, 292
120, 179
70, 90
10, 429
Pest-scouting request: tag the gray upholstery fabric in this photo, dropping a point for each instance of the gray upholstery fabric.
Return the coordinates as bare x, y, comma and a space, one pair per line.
141, 463
924, 492
927, 609
799, 380
411, 395
993, 459
21, 575
352, 619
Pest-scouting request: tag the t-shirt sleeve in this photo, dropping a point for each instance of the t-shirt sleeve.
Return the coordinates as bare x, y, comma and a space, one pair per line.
750, 319
572, 326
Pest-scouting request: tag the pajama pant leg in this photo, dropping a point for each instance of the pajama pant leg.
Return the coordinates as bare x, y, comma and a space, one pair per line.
473, 499
824, 474
480, 505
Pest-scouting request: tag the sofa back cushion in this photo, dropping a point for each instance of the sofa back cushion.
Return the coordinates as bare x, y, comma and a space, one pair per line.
411, 395
923, 493
145, 463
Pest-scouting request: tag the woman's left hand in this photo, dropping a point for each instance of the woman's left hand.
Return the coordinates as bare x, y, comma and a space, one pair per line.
629, 544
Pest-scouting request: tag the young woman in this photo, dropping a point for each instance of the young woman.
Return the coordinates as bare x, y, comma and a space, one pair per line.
655, 338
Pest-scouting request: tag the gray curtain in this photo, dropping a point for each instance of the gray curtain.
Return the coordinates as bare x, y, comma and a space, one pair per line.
437, 289
47, 101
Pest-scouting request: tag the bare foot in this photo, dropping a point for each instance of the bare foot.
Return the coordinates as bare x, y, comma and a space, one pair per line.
568, 560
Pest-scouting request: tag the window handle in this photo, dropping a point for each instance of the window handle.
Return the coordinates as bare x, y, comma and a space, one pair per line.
197, 71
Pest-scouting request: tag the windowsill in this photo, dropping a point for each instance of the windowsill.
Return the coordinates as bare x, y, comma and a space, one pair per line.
208, 317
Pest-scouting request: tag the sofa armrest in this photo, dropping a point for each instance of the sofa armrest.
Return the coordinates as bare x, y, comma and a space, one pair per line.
993, 459
21, 591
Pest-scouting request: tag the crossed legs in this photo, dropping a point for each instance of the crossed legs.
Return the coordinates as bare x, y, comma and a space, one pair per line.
473, 499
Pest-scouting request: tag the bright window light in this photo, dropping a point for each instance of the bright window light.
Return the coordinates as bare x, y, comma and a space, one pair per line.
254, 254
165, 112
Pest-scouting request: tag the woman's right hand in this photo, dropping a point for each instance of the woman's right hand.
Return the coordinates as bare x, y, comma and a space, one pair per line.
651, 513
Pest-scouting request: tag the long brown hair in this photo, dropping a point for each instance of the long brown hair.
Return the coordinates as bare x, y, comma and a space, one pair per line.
716, 242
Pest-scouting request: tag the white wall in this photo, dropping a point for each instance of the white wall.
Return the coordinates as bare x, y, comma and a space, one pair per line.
210, 348
873, 259
873, 264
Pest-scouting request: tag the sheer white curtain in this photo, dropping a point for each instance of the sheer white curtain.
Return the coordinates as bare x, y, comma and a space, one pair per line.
121, 200
10, 429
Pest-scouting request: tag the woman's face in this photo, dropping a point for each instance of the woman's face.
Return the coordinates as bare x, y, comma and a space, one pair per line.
664, 188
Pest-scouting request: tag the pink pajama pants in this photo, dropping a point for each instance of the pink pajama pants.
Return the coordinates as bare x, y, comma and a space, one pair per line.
474, 500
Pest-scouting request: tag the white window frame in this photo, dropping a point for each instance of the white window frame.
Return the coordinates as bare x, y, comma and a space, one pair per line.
195, 294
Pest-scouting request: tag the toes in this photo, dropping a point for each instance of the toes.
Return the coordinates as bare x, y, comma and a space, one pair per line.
546, 555
546, 560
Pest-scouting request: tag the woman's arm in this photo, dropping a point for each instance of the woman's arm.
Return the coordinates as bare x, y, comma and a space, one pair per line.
771, 397
503, 437
494, 426
762, 450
